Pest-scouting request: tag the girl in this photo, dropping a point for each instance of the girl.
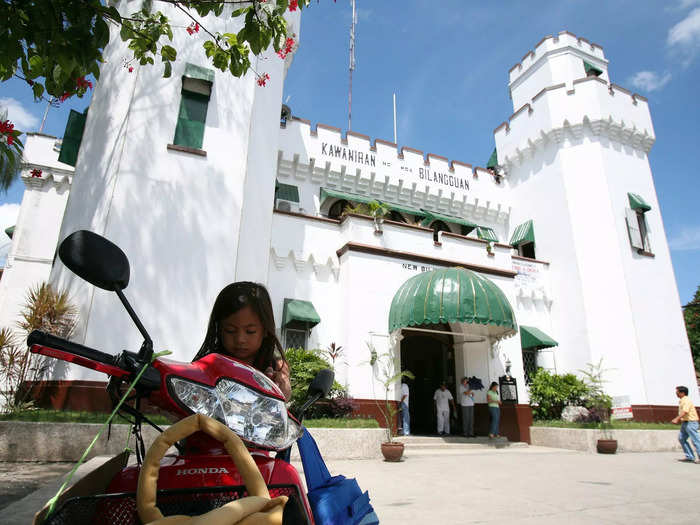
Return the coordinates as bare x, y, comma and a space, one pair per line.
242, 325
494, 409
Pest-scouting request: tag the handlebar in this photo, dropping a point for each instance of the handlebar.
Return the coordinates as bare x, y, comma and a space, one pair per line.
42, 338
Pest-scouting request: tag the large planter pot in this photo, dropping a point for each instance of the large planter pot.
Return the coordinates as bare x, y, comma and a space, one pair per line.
606, 446
392, 451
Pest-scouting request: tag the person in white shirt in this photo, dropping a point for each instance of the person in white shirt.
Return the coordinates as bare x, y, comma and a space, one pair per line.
466, 400
443, 399
405, 416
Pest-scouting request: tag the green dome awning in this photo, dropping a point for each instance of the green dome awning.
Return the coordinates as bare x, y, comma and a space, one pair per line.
452, 295
534, 338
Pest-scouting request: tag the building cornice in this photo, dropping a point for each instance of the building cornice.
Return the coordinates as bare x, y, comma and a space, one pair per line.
408, 256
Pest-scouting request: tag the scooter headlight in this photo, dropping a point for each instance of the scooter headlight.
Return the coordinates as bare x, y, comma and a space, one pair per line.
255, 417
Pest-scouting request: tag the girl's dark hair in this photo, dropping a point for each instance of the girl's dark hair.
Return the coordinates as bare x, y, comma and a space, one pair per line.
493, 384
230, 300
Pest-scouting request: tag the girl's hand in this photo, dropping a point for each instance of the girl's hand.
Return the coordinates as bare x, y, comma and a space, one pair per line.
281, 378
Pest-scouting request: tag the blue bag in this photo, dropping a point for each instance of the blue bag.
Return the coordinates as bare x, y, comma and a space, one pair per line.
334, 500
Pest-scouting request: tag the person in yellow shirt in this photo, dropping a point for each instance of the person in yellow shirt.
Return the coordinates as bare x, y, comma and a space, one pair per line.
688, 418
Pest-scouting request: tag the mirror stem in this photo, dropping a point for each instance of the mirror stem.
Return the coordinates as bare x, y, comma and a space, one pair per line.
146, 351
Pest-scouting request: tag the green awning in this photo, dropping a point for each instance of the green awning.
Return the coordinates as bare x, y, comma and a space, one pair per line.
327, 193
298, 311
523, 233
637, 203
198, 72
532, 338
431, 216
287, 192
452, 295
487, 234
591, 69
10, 231
493, 160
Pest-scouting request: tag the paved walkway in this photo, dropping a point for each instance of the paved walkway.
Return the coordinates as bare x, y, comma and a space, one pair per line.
521, 485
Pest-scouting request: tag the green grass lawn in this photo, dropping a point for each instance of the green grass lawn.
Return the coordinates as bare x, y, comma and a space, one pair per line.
616, 424
67, 416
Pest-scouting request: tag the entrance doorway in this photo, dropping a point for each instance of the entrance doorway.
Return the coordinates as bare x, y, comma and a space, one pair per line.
430, 357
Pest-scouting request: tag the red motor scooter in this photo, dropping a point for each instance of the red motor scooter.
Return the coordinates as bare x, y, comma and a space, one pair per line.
201, 476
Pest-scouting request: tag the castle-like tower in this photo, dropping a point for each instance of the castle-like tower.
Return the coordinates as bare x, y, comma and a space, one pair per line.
180, 173
575, 154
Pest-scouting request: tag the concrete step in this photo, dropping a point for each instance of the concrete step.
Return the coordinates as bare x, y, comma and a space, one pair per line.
454, 443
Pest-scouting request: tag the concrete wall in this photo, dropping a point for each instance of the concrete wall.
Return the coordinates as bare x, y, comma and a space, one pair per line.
585, 439
22, 441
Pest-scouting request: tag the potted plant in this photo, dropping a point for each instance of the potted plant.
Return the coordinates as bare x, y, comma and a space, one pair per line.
378, 211
384, 370
599, 405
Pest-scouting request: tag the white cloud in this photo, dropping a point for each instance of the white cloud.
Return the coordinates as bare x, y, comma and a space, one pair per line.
8, 217
649, 80
20, 117
685, 36
685, 4
687, 240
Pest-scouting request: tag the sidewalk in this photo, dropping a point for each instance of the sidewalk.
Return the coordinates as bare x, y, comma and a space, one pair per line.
521, 485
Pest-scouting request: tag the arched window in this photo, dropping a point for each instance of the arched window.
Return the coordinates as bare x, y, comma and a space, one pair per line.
336, 209
439, 226
396, 216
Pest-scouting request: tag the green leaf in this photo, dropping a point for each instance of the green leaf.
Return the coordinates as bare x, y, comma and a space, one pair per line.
168, 70
38, 90
57, 74
168, 53
101, 33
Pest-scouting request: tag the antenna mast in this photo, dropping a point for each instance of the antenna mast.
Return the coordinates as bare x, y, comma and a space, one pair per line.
352, 62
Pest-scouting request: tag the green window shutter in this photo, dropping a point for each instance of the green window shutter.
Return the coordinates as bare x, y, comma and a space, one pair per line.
493, 160
72, 137
190, 123
287, 192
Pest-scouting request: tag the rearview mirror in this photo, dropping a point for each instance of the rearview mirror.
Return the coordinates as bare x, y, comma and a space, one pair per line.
322, 383
97, 260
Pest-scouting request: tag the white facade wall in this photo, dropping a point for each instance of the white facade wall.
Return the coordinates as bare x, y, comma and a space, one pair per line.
176, 215
36, 232
573, 153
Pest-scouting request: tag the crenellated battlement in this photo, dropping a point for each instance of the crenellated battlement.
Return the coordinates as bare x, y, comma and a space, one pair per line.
606, 108
362, 141
550, 44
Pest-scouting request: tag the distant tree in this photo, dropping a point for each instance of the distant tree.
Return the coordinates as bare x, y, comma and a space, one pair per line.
692, 326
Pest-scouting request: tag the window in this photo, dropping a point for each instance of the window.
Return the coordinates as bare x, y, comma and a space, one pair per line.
637, 224
529, 365
437, 227
337, 208
196, 90
638, 230
527, 249
294, 338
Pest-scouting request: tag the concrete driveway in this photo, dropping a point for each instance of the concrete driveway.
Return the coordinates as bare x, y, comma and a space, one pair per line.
522, 485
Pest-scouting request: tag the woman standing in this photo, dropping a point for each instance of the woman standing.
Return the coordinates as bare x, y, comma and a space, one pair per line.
494, 402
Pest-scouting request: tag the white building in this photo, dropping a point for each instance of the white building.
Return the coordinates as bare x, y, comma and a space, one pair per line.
560, 242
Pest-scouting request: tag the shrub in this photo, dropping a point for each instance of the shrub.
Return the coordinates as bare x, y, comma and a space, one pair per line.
303, 367
550, 393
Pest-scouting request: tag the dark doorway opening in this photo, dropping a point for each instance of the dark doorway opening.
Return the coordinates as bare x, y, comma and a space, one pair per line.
430, 357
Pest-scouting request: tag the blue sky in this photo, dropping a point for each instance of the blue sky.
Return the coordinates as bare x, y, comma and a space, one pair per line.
448, 64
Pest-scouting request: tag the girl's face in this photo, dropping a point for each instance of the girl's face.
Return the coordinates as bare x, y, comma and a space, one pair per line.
242, 334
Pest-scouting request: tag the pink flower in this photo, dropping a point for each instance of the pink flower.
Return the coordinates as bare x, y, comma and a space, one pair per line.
6, 127
36, 172
192, 28
131, 69
288, 47
293, 5
262, 79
